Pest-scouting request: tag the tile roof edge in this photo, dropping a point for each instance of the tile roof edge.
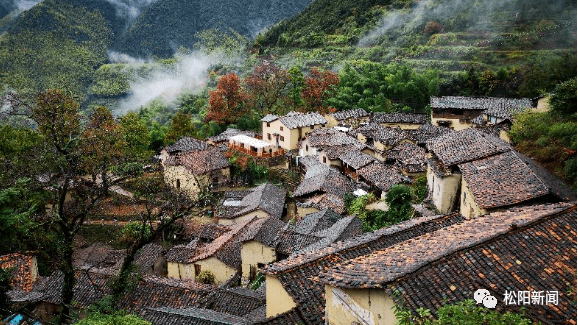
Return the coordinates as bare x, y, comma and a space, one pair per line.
517, 226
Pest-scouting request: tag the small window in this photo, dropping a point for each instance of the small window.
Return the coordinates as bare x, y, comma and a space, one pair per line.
268, 124
324, 160
282, 138
197, 270
178, 183
307, 148
281, 128
269, 136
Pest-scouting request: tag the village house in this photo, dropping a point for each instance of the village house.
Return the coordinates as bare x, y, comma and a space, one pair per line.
322, 187
426, 132
254, 147
499, 181
352, 161
317, 221
348, 118
381, 177
447, 152
23, 268
193, 166
411, 159
286, 131
401, 120
294, 295
258, 246
222, 257
329, 145
264, 200
224, 137
522, 249
380, 139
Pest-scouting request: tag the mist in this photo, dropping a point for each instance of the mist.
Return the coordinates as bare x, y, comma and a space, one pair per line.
190, 75
130, 9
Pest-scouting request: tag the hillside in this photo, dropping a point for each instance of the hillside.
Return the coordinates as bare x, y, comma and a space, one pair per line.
168, 24
53, 45
530, 40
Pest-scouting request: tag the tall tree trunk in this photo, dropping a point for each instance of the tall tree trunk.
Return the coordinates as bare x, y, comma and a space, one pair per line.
69, 280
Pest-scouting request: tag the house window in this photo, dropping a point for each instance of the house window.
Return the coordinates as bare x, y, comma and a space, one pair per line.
268, 124
282, 138
281, 128
268, 136
178, 183
252, 272
197, 270
324, 160
307, 148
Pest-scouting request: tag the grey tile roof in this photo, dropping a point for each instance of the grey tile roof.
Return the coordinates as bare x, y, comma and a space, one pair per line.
189, 316
269, 118
266, 197
428, 131
317, 221
556, 186
409, 157
201, 161
236, 301
264, 230
350, 113
343, 229
296, 273
479, 103
388, 136
466, 145
322, 138
506, 107
327, 181
289, 241
383, 176
502, 180
325, 201
295, 120
356, 159
406, 118
229, 132
186, 144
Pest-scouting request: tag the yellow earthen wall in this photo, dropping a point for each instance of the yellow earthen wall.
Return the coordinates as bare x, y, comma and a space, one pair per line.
444, 190
455, 123
252, 253
365, 306
220, 270
257, 213
468, 206
403, 126
278, 300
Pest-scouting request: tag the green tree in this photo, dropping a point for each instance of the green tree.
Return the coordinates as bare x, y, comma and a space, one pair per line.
181, 126
5, 286
465, 312
563, 100
137, 137
112, 319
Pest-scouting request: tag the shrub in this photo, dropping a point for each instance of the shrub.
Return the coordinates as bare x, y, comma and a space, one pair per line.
433, 27
206, 277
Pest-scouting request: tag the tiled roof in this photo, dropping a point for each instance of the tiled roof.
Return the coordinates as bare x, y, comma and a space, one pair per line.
502, 180
317, 221
266, 197
236, 301
200, 161
206, 231
293, 317
523, 249
189, 316
409, 157
264, 230
428, 131
21, 267
381, 267
479, 103
328, 181
388, 136
382, 176
186, 144
506, 107
325, 201
439, 169
269, 118
322, 138
229, 132
98, 255
182, 253
409, 118
295, 120
151, 291
296, 272
289, 241
355, 113
356, 159
466, 145
226, 248
344, 228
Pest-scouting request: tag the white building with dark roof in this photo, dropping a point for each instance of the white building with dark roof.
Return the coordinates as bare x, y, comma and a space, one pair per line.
286, 131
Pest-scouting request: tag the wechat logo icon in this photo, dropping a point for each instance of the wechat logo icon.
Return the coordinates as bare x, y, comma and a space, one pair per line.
483, 296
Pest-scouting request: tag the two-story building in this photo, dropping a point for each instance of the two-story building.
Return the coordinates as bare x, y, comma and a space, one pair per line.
286, 131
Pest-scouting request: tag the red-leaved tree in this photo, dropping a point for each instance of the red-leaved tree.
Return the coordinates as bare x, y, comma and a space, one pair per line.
319, 86
227, 102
